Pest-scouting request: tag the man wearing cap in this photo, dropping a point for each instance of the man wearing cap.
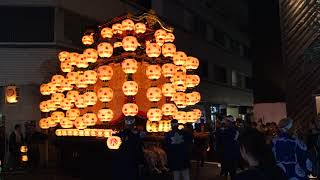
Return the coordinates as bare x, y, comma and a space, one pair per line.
291, 154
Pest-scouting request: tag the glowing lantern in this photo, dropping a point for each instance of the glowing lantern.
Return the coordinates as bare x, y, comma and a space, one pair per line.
79, 102
91, 55
75, 132
57, 79
105, 115
57, 97
43, 123
154, 114
130, 43
164, 126
72, 95
63, 55
192, 80
79, 124
191, 116
130, 88
168, 70
66, 85
44, 89
168, 50
197, 96
152, 126
179, 58
169, 37
106, 32
43, 106
181, 116
198, 113
179, 99
90, 98
168, 90
153, 50
80, 81
169, 109
130, 109
105, 72
66, 66
58, 132
180, 87
160, 35
117, 44
51, 88
179, 78
100, 133
90, 119
153, 72
107, 133
23, 149
114, 142
105, 94
81, 132
90, 77
140, 28
191, 98
24, 158
72, 114
72, 77
192, 63
105, 49
129, 66
127, 25
57, 116
154, 94
66, 104
63, 132
117, 28
51, 105
87, 39
66, 123
82, 61
51, 122
73, 57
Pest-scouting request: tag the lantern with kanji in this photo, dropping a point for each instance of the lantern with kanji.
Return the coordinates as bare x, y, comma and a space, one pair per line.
191, 116
73, 58
66, 104
168, 90
105, 49
80, 81
87, 39
153, 50
57, 79
169, 37
140, 28
51, 88
168, 50
63, 55
90, 77
72, 95
43, 123
72, 114
169, 109
82, 61
90, 98
154, 114
90, 119
198, 113
130, 109
179, 58
51, 105
72, 77
114, 142
106, 32
57, 97
80, 102
168, 70
79, 123
130, 43
66, 123
66, 85
192, 80
179, 78
192, 63
153, 72
130, 88
57, 116
105, 94
66, 66
192, 98
105, 115
105, 72
164, 126
179, 99
127, 25
117, 28
129, 66
91, 55
44, 89
154, 94
43, 106
181, 116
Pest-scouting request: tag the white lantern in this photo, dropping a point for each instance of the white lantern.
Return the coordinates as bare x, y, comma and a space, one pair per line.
79, 102
105, 49
192, 63
154, 114
169, 109
105, 72
90, 77
106, 32
72, 77
154, 94
105, 94
87, 39
168, 50
82, 61
57, 116
130, 88
169, 37
168, 70
57, 79
179, 58
117, 28
127, 25
105, 115
130, 109
153, 72
91, 55
63, 55
66, 104
66, 123
140, 28
130, 43
90, 119
79, 123
153, 50
129, 66
168, 90
72, 114
90, 98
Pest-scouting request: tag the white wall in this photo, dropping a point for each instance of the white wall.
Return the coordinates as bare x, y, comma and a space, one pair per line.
270, 112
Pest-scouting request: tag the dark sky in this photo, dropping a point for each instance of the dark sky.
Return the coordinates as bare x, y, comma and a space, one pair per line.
268, 69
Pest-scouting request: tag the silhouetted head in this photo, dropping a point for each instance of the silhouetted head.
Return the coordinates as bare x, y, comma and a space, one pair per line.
174, 124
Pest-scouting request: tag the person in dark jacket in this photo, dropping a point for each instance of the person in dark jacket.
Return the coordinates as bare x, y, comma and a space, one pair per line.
15, 142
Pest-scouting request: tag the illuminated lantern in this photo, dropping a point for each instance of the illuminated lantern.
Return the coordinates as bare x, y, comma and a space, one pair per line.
168, 90
130, 43
105, 49
73, 57
43, 123
129, 66
153, 72
51, 105
192, 63
164, 126
169, 37
114, 142
181, 116
100, 133
191, 98
72, 95
140, 28
63, 55
75, 132
117, 28
66, 66
66, 104
154, 114
57, 79
192, 80
168, 50
69, 132
57, 116
72, 77
66, 85
24, 158
117, 44
179, 99
87, 132
43, 106
179, 58
80, 81
91, 55
153, 50
180, 87
66, 123
130, 88
90, 119
154, 94
79, 124
81, 132
90, 98
168, 70
127, 25
107, 133
169, 109
82, 61
51, 122
87, 39
64, 132
198, 113
59, 132
160, 35
191, 116
151, 126
197, 96
105, 94
51, 88
90, 77
130, 109
57, 97
72, 114
179, 78
44, 89
181, 69
93, 132
79, 102
105, 72
105, 115
106, 32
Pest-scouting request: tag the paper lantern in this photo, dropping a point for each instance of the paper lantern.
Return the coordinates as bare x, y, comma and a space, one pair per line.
66, 85
66, 104
192, 80
160, 35
107, 133
57, 116
44, 89
75, 132
164, 126
153, 72
90, 77
72, 114
82, 61
179, 78
179, 58
57, 97
169, 37
154, 114
66, 123
168, 50
117, 44
129, 66
192, 98
197, 96
140, 28
51, 122
198, 113
51, 88
127, 25
105, 115
105, 72
168, 90
154, 94
106, 32
130, 43
43, 106
79, 102
66, 66
105, 94
105, 49
90, 119
90, 98
79, 123
153, 50
169, 109
130, 88
99, 133
192, 63
168, 70
114, 142
91, 55
117, 28
191, 116
130, 109
152, 126
181, 116
180, 87
72, 95
179, 99
51, 105
63, 55
24, 158
43, 123
87, 39
72, 77
57, 79
73, 57
80, 81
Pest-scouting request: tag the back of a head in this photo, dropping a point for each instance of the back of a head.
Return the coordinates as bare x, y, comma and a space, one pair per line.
17, 126
285, 124
174, 124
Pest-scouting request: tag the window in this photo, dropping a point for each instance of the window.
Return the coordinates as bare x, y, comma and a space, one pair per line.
203, 69
219, 37
220, 74
248, 83
236, 79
